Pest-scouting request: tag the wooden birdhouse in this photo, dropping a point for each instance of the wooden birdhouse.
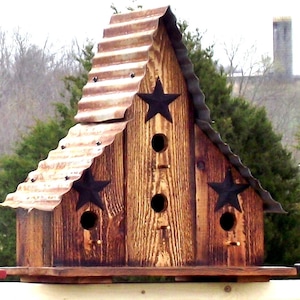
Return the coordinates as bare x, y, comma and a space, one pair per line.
142, 185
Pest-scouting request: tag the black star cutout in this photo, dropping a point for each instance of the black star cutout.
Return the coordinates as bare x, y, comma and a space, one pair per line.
89, 189
228, 191
158, 102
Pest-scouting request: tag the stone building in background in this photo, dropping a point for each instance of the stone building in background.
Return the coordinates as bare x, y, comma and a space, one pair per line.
282, 46
276, 87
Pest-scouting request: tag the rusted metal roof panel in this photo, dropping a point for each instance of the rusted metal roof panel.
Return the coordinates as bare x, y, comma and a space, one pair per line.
139, 15
120, 64
118, 68
43, 189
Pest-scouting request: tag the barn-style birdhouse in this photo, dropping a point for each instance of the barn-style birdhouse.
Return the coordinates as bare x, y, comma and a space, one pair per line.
142, 185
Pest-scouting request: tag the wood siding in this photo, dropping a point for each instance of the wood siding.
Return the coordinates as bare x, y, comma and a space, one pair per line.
104, 243
34, 238
161, 238
212, 240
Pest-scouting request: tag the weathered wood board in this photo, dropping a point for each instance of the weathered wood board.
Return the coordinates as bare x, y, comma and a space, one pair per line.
166, 237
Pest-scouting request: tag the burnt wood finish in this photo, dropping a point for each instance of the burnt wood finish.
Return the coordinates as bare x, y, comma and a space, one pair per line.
34, 238
103, 244
244, 244
183, 228
98, 274
160, 210
164, 238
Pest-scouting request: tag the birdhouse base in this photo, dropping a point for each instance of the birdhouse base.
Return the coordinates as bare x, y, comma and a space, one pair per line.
107, 274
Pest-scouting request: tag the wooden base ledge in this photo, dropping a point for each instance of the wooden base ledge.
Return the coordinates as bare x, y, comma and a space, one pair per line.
102, 274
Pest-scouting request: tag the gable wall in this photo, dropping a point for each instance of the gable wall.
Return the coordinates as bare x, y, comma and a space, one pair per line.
212, 248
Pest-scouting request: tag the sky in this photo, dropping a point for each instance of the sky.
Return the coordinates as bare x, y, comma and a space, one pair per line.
226, 24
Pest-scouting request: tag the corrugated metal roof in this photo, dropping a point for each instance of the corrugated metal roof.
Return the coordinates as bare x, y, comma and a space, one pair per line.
120, 65
44, 187
115, 77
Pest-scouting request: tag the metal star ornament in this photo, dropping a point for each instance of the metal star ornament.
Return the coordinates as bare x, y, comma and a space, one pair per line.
228, 191
158, 102
89, 189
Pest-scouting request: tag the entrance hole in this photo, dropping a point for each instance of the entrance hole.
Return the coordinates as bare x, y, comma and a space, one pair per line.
159, 142
159, 203
227, 221
88, 220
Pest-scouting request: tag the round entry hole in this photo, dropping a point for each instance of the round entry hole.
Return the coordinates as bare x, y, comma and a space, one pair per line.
227, 221
88, 220
159, 142
159, 203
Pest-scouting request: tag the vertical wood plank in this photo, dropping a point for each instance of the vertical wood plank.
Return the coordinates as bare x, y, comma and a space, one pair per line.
163, 238
254, 227
21, 231
110, 166
211, 236
239, 234
202, 204
65, 236
34, 227
216, 167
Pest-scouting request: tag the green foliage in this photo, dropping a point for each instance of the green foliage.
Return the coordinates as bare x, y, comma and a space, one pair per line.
34, 147
74, 85
252, 137
7, 237
249, 133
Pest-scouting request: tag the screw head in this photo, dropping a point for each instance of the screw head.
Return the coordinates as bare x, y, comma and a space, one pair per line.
200, 165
